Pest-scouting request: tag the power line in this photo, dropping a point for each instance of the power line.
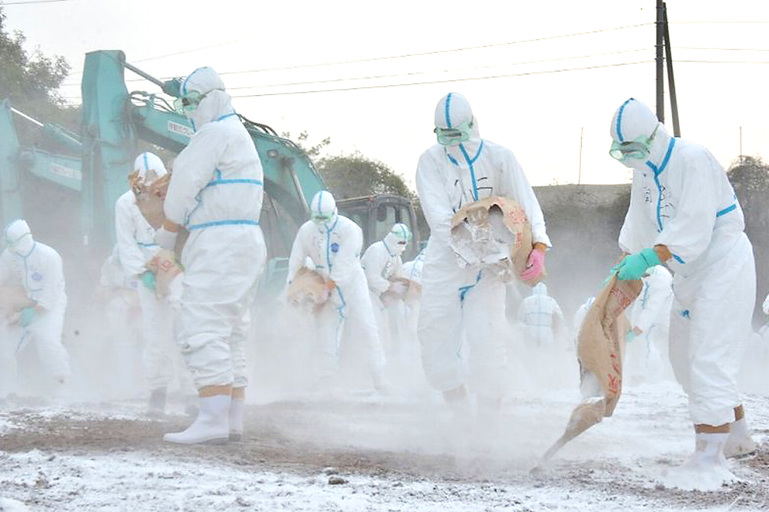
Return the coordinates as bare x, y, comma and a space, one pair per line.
419, 54
430, 72
723, 49
448, 80
689, 61
30, 2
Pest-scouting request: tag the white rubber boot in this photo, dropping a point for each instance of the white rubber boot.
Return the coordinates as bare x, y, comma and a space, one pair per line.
739, 443
708, 452
237, 408
706, 469
211, 426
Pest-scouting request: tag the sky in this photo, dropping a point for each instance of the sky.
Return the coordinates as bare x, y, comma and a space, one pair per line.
544, 78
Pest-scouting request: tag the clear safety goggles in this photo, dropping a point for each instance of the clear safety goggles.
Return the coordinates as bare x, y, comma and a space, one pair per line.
321, 219
189, 102
453, 136
637, 149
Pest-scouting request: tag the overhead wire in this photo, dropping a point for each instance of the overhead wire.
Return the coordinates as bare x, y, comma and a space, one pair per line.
448, 80
437, 71
406, 55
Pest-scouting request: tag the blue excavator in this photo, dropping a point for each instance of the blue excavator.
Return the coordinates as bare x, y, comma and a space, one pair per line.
88, 170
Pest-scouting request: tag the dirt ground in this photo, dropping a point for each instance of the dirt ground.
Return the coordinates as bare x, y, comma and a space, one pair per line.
298, 438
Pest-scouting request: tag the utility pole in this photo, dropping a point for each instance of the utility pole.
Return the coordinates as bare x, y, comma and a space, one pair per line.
671, 79
660, 61
579, 175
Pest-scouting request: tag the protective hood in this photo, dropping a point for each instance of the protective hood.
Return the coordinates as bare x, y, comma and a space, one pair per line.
397, 239
149, 167
18, 238
539, 289
634, 120
452, 111
323, 211
215, 104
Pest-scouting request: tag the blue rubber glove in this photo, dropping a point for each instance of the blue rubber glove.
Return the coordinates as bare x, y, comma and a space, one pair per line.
635, 265
27, 315
630, 336
148, 280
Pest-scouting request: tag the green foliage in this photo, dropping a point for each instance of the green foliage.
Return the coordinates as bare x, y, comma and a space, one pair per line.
355, 176
32, 82
302, 141
348, 176
750, 178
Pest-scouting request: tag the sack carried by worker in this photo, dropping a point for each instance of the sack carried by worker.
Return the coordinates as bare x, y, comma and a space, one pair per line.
12, 300
308, 290
398, 289
600, 349
150, 198
166, 269
494, 235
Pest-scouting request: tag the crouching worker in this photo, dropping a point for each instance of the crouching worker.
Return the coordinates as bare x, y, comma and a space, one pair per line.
33, 272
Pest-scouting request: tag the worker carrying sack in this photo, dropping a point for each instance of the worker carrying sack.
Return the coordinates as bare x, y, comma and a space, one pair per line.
493, 234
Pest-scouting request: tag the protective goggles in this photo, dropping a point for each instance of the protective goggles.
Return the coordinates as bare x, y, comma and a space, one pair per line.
454, 136
189, 102
637, 149
321, 219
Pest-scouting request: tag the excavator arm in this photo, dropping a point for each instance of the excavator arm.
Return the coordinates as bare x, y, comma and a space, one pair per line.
114, 121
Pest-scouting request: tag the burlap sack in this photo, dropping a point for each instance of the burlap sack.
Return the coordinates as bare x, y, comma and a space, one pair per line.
398, 290
600, 350
12, 300
495, 235
166, 268
601, 340
308, 290
150, 198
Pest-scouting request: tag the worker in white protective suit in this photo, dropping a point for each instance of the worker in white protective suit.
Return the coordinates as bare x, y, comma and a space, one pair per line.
216, 194
463, 302
38, 269
383, 266
541, 315
579, 318
333, 243
412, 270
683, 212
647, 344
135, 249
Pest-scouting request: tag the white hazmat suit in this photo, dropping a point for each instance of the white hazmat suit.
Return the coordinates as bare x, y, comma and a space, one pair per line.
459, 302
412, 270
382, 265
216, 193
39, 270
681, 199
540, 313
334, 243
646, 352
135, 249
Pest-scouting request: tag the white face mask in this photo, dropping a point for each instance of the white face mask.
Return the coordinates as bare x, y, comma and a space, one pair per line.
23, 246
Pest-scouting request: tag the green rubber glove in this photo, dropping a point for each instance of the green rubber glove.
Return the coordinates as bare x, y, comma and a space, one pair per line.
27, 315
148, 280
635, 265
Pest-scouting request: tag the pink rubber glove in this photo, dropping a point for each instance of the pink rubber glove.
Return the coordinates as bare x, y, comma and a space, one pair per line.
534, 265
